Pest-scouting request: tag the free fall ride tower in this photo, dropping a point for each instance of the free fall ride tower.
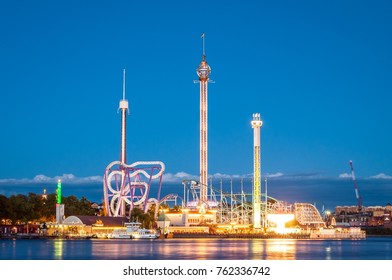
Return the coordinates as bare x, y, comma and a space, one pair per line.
203, 71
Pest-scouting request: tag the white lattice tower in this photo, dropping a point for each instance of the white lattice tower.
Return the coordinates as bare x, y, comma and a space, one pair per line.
256, 124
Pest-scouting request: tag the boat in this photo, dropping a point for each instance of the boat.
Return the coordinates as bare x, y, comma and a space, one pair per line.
145, 234
119, 234
133, 231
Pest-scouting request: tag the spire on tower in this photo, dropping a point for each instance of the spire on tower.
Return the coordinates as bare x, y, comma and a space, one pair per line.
123, 108
204, 70
123, 84
203, 40
256, 124
123, 101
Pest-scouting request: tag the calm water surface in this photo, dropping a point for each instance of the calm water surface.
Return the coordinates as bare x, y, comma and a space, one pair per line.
197, 249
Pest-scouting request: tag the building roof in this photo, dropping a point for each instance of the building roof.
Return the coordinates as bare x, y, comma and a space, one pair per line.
95, 220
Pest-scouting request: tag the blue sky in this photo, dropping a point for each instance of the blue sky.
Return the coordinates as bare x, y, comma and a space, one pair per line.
319, 73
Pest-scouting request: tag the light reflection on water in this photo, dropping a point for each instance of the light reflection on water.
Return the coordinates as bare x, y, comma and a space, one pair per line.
281, 249
58, 249
197, 249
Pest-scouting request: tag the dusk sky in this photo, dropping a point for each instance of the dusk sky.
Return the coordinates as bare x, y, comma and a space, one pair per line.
318, 72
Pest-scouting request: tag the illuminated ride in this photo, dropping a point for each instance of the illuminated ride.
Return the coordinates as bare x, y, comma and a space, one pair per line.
256, 124
203, 71
231, 207
237, 207
127, 186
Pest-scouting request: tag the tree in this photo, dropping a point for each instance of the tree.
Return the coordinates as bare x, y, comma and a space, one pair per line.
85, 207
35, 206
4, 215
30, 208
146, 219
71, 205
49, 208
136, 215
18, 208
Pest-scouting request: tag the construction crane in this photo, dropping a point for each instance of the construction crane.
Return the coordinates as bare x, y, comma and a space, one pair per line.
359, 199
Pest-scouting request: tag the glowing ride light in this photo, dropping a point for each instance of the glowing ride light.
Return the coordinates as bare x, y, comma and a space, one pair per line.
59, 207
128, 185
123, 184
280, 220
256, 124
203, 71
58, 191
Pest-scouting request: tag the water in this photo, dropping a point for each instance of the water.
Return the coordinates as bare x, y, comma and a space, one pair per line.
372, 248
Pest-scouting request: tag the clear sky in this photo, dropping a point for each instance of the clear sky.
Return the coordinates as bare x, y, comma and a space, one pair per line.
318, 72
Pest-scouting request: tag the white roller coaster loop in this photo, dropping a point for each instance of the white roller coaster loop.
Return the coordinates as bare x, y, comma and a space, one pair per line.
124, 187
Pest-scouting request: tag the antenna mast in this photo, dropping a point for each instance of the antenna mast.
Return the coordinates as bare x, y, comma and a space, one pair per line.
359, 199
124, 84
202, 36
124, 108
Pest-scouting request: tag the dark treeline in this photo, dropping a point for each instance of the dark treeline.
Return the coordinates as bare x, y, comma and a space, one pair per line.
34, 208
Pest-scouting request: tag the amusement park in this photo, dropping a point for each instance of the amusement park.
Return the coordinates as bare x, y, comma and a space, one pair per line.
201, 208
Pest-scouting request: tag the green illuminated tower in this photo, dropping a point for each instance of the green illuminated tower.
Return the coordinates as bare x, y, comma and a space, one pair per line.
58, 191
59, 207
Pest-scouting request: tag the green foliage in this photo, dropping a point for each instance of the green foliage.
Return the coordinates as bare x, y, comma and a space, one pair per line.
3, 208
18, 208
85, 207
49, 208
71, 205
36, 206
146, 219
33, 208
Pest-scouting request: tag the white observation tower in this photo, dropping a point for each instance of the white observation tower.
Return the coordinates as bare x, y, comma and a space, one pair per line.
256, 124
124, 109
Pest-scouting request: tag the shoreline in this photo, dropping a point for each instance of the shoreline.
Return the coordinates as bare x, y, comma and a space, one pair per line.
197, 236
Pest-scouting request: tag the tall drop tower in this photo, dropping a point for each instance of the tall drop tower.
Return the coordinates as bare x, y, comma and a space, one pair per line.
256, 124
126, 186
203, 71
124, 110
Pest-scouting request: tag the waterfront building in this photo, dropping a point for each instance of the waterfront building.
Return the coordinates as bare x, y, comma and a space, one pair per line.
190, 218
370, 216
88, 226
